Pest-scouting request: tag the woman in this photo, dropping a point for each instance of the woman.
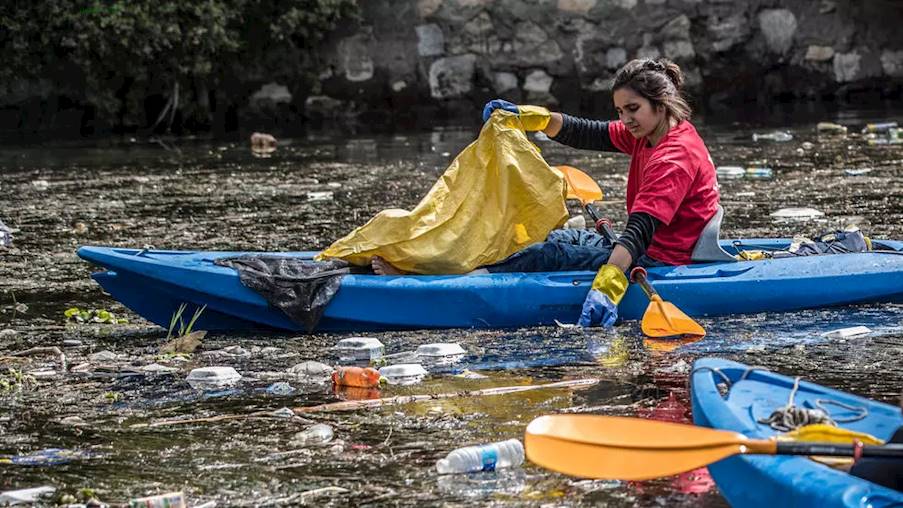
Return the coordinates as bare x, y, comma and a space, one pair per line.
672, 191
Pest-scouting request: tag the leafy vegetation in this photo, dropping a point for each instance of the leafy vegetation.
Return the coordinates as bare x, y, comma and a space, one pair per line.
141, 62
93, 316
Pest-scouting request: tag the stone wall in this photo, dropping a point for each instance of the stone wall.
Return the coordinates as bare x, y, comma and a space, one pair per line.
415, 60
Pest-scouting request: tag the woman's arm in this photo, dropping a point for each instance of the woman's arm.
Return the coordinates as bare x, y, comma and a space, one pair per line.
580, 133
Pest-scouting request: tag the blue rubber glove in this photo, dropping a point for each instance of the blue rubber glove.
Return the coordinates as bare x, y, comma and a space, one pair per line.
495, 104
601, 304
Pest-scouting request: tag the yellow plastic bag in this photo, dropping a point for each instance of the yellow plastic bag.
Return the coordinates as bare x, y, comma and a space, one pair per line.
497, 197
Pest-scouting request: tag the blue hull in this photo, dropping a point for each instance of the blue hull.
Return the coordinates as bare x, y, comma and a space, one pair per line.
785, 481
154, 283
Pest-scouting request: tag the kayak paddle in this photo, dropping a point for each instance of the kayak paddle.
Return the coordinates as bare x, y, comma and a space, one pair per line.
584, 189
622, 448
663, 319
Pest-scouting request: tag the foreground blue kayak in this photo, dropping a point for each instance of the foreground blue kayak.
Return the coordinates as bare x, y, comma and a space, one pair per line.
155, 283
792, 481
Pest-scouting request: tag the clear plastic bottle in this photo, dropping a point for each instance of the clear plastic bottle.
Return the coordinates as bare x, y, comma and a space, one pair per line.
487, 457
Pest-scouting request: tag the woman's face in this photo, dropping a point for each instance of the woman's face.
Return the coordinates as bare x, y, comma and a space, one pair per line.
637, 113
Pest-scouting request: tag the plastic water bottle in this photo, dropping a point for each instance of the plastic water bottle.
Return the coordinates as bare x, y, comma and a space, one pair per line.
488, 457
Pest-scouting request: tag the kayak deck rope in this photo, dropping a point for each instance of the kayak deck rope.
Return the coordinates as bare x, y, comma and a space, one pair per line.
791, 417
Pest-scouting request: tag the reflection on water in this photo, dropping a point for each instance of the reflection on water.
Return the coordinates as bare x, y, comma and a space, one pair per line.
217, 195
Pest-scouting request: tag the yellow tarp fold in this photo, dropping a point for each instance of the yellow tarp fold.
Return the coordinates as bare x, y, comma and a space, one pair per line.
496, 197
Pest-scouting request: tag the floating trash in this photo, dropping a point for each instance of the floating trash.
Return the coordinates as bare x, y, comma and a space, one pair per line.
777, 136
879, 127
845, 333
46, 457
212, 378
24, 496
311, 372
280, 388
440, 349
830, 128
319, 196
403, 373
359, 377
360, 348
169, 500
318, 434
797, 213
730, 172
857, 172
759, 172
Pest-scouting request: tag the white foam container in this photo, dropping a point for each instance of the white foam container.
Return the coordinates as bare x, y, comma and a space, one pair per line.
797, 213
844, 333
212, 378
440, 349
403, 373
360, 348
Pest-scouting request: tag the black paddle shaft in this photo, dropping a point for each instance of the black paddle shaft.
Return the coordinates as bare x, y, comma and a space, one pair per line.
638, 275
602, 225
836, 450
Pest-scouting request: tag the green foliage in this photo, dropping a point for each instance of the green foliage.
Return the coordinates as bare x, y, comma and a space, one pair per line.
177, 318
93, 316
14, 380
113, 54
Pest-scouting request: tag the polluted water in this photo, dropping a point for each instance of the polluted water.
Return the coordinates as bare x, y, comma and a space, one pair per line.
155, 435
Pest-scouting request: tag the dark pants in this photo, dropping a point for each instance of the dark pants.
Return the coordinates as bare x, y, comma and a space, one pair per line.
564, 250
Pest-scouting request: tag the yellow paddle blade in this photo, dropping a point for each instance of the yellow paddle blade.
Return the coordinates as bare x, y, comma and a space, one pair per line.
663, 319
620, 448
580, 185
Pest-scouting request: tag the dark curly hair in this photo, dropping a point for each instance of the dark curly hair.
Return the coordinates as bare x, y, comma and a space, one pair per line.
660, 81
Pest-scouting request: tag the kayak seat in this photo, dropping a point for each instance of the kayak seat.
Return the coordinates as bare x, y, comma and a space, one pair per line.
707, 248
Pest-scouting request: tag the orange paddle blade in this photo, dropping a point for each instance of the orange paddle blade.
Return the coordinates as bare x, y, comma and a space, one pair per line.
664, 319
580, 185
615, 447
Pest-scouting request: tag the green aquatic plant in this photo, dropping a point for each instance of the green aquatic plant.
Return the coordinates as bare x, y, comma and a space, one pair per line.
177, 318
93, 316
14, 380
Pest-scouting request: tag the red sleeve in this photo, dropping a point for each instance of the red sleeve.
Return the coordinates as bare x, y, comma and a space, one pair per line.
665, 183
621, 138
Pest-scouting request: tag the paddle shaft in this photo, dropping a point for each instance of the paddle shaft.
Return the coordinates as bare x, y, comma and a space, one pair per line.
639, 276
834, 450
602, 224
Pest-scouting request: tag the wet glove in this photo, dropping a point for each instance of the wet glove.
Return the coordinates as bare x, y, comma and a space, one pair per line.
532, 118
601, 304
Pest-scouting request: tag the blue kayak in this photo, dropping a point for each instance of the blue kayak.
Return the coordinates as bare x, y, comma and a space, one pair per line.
758, 481
154, 283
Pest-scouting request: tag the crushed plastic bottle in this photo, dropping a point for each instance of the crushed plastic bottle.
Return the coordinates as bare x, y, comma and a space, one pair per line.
730, 172
759, 172
360, 377
6, 235
830, 128
403, 373
169, 500
319, 195
24, 496
488, 457
777, 136
311, 372
318, 434
879, 127
280, 388
359, 348
213, 378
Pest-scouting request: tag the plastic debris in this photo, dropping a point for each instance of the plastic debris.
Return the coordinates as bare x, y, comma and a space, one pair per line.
857, 172
24, 496
283, 412
46, 457
360, 348
879, 127
778, 136
156, 368
263, 143
318, 434
830, 128
488, 457
403, 373
759, 172
730, 172
103, 356
360, 377
6, 235
169, 500
797, 213
469, 374
311, 372
845, 333
212, 378
280, 388
319, 195
440, 349
575, 222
